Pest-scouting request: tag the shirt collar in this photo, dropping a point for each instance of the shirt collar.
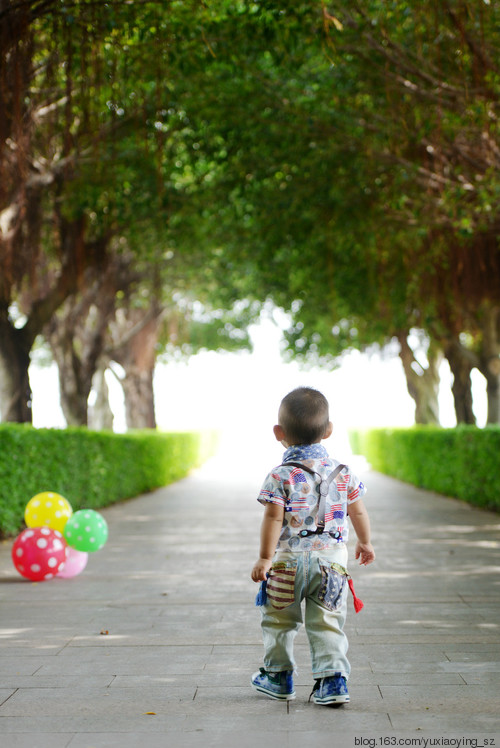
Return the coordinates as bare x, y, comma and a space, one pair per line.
305, 452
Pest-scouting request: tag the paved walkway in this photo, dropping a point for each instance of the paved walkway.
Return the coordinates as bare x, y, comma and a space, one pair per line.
154, 643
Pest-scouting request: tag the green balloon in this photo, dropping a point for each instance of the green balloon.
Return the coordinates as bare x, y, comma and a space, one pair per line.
86, 530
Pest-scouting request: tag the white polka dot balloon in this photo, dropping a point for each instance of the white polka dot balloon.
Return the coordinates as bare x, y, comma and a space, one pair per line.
48, 509
86, 530
39, 553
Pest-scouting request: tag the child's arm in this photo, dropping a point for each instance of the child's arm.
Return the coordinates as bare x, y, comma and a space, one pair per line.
269, 535
361, 523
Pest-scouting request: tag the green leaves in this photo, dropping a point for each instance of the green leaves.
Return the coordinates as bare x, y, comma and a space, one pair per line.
341, 155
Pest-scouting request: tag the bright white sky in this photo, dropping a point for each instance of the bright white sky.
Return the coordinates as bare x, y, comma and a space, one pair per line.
239, 394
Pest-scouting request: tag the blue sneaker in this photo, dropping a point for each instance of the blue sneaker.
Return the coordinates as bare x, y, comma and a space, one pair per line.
330, 690
274, 685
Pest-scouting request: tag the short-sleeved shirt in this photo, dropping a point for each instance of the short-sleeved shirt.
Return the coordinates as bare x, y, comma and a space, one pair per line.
298, 492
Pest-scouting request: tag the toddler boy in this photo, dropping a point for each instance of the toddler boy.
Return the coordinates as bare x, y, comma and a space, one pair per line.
303, 552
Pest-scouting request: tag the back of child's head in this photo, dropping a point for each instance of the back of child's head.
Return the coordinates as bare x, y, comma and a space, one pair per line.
304, 416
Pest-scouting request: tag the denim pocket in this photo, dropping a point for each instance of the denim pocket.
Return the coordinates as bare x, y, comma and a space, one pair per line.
281, 584
333, 582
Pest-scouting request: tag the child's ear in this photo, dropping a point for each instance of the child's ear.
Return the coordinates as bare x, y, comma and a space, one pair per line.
328, 430
279, 433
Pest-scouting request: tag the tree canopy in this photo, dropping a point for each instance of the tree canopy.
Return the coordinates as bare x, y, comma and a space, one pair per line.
340, 158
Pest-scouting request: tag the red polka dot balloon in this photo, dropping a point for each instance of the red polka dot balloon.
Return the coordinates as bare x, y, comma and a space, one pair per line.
39, 553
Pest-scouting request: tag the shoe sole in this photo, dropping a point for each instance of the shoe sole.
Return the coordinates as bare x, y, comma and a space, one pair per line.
272, 695
341, 699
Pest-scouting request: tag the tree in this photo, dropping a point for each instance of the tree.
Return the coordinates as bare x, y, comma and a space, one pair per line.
32, 87
367, 193
439, 73
77, 334
339, 158
73, 77
107, 135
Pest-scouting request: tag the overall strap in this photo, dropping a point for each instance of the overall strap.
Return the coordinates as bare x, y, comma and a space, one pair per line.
324, 487
324, 490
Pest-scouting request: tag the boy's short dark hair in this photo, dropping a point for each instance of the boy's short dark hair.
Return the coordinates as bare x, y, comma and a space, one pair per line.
304, 415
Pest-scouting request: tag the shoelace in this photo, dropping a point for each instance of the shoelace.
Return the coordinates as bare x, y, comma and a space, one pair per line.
315, 688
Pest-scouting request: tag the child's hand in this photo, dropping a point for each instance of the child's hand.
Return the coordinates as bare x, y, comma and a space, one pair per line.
259, 571
365, 553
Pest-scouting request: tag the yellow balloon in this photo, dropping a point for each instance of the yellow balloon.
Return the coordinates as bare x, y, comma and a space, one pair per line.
48, 509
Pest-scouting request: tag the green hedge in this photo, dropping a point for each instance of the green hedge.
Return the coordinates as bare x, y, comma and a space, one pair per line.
461, 462
91, 469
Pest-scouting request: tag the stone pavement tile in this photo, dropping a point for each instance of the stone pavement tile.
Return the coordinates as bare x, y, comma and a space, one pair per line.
490, 653
107, 704
166, 633
438, 725
21, 648
476, 667
23, 622
39, 740
5, 693
488, 649
396, 651
27, 601
20, 663
38, 680
424, 678
111, 636
403, 614
118, 660
219, 738
235, 659
466, 705
163, 740
87, 588
479, 600
331, 721
458, 699
422, 658
198, 739
431, 637
84, 722
237, 678
401, 667
475, 678
485, 608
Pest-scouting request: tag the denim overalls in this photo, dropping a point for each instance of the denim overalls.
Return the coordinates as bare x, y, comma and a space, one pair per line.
320, 578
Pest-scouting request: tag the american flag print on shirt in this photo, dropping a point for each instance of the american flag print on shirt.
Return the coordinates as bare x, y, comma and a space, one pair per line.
335, 512
297, 476
281, 587
353, 495
295, 505
342, 483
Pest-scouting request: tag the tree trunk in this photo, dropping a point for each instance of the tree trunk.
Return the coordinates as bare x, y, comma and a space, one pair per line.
15, 389
74, 381
138, 358
493, 395
139, 398
461, 367
100, 414
77, 335
490, 361
422, 384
